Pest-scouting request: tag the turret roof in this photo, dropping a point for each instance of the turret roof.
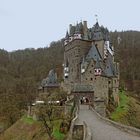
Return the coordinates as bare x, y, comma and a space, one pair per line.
72, 30
110, 69
50, 80
67, 35
77, 29
98, 64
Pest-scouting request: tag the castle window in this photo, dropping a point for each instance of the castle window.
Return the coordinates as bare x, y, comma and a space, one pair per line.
92, 65
91, 79
95, 78
90, 71
86, 78
109, 82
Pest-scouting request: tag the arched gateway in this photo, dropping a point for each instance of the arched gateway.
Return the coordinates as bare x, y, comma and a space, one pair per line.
83, 94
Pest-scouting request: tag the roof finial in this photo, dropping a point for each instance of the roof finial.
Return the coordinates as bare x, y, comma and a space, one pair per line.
96, 16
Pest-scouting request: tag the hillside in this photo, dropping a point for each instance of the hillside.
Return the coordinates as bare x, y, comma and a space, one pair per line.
127, 53
128, 111
24, 129
29, 129
21, 72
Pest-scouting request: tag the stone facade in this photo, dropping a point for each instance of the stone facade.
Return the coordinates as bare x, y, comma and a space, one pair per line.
72, 57
89, 60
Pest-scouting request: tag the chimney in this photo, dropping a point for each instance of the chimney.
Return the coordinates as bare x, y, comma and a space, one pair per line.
85, 24
85, 30
70, 27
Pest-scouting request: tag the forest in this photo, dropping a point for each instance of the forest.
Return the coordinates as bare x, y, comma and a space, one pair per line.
21, 72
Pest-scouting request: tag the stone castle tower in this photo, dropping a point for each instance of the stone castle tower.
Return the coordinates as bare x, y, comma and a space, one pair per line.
89, 60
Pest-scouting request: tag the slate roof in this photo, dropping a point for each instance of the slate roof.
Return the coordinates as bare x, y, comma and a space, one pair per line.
98, 64
93, 54
72, 30
67, 35
110, 68
50, 80
77, 29
83, 88
95, 33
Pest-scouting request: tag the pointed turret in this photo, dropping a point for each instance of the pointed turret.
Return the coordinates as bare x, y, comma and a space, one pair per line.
77, 34
77, 29
66, 41
97, 27
97, 33
71, 30
67, 35
81, 27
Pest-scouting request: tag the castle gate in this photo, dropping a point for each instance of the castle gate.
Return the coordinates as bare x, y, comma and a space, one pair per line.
83, 94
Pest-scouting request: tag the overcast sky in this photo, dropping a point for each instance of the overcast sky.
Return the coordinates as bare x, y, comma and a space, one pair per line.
35, 23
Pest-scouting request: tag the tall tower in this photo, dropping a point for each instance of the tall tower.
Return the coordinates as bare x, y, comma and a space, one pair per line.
98, 38
76, 47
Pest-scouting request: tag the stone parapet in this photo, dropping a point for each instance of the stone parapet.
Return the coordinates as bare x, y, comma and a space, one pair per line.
129, 129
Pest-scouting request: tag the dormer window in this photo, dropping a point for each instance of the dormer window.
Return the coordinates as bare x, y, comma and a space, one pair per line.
66, 42
77, 36
97, 71
70, 38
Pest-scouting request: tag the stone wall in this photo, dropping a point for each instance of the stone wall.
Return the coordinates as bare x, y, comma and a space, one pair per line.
101, 88
115, 89
99, 106
88, 77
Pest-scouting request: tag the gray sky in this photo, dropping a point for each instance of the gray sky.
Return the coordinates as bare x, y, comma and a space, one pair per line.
35, 23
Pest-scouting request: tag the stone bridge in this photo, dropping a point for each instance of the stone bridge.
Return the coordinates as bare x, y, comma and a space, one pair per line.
101, 130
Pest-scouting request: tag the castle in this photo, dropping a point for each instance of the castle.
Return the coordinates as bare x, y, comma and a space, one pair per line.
89, 67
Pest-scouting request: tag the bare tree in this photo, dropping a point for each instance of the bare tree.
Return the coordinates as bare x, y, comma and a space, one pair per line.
45, 114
